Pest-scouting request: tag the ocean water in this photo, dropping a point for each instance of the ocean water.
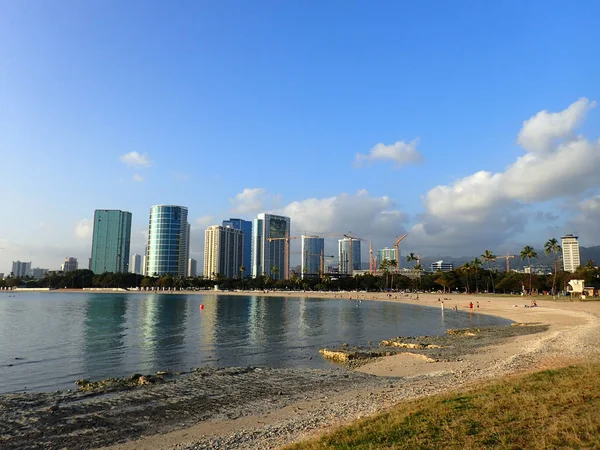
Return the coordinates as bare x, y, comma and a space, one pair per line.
49, 340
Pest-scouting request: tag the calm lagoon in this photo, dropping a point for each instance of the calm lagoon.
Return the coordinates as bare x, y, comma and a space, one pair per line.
49, 340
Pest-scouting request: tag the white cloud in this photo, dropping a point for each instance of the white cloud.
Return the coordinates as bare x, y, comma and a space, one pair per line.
138, 178
539, 132
486, 208
361, 213
400, 152
83, 229
251, 201
135, 159
371, 218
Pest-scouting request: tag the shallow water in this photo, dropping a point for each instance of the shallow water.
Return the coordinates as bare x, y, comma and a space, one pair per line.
49, 340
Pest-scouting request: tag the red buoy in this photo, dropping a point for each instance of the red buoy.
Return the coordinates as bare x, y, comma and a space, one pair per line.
202, 306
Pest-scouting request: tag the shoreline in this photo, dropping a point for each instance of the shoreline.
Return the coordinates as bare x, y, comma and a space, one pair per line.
304, 404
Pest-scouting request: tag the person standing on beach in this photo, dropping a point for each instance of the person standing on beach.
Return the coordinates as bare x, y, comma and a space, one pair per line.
470, 305
442, 305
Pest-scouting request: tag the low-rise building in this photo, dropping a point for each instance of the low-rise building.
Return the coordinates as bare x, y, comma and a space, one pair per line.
441, 266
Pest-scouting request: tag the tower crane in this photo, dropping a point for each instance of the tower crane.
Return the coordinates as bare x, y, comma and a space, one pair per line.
397, 247
507, 257
322, 259
287, 248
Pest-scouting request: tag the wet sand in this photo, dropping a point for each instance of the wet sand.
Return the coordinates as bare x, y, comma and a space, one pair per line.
266, 408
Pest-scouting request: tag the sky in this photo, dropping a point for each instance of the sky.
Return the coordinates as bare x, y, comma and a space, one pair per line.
468, 125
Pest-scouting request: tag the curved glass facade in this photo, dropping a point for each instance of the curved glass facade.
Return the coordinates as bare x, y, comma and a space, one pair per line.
168, 241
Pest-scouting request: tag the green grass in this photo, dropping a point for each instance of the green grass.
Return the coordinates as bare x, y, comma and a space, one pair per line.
549, 409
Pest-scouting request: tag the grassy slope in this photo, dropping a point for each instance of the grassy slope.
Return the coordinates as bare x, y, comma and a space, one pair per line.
548, 409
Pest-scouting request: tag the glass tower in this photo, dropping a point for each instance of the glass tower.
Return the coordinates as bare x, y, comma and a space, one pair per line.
349, 255
168, 246
110, 241
269, 257
312, 250
246, 227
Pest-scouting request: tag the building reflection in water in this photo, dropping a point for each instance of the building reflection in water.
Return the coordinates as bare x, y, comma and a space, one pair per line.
163, 331
104, 335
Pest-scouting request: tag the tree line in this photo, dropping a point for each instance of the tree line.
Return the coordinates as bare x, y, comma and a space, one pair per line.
475, 276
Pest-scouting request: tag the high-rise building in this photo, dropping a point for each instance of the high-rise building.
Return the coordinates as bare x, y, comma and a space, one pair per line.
269, 257
246, 227
192, 267
349, 254
386, 253
144, 262
110, 241
312, 251
570, 252
21, 269
223, 252
69, 264
168, 246
136, 264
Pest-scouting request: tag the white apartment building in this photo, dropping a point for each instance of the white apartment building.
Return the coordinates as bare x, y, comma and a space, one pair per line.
441, 266
21, 269
570, 252
223, 252
135, 266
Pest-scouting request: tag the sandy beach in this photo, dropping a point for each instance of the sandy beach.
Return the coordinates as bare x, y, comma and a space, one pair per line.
263, 408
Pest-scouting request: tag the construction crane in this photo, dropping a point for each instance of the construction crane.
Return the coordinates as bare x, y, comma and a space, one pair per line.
322, 259
287, 248
507, 257
397, 247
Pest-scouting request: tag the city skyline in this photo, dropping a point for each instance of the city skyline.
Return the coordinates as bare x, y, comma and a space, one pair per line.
467, 130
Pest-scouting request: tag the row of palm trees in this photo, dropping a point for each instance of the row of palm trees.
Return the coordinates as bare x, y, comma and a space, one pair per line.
550, 247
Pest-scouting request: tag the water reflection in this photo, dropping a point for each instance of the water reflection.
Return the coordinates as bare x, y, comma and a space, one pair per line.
164, 330
104, 334
63, 337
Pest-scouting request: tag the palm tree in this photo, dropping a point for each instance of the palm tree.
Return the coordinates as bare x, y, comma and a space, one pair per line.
418, 267
466, 268
476, 264
242, 270
394, 265
552, 246
489, 257
275, 272
529, 252
384, 267
411, 257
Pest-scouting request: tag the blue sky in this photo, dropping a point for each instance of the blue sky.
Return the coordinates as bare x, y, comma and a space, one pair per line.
242, 107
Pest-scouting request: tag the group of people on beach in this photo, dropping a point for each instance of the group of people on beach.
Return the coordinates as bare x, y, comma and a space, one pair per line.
455, 307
